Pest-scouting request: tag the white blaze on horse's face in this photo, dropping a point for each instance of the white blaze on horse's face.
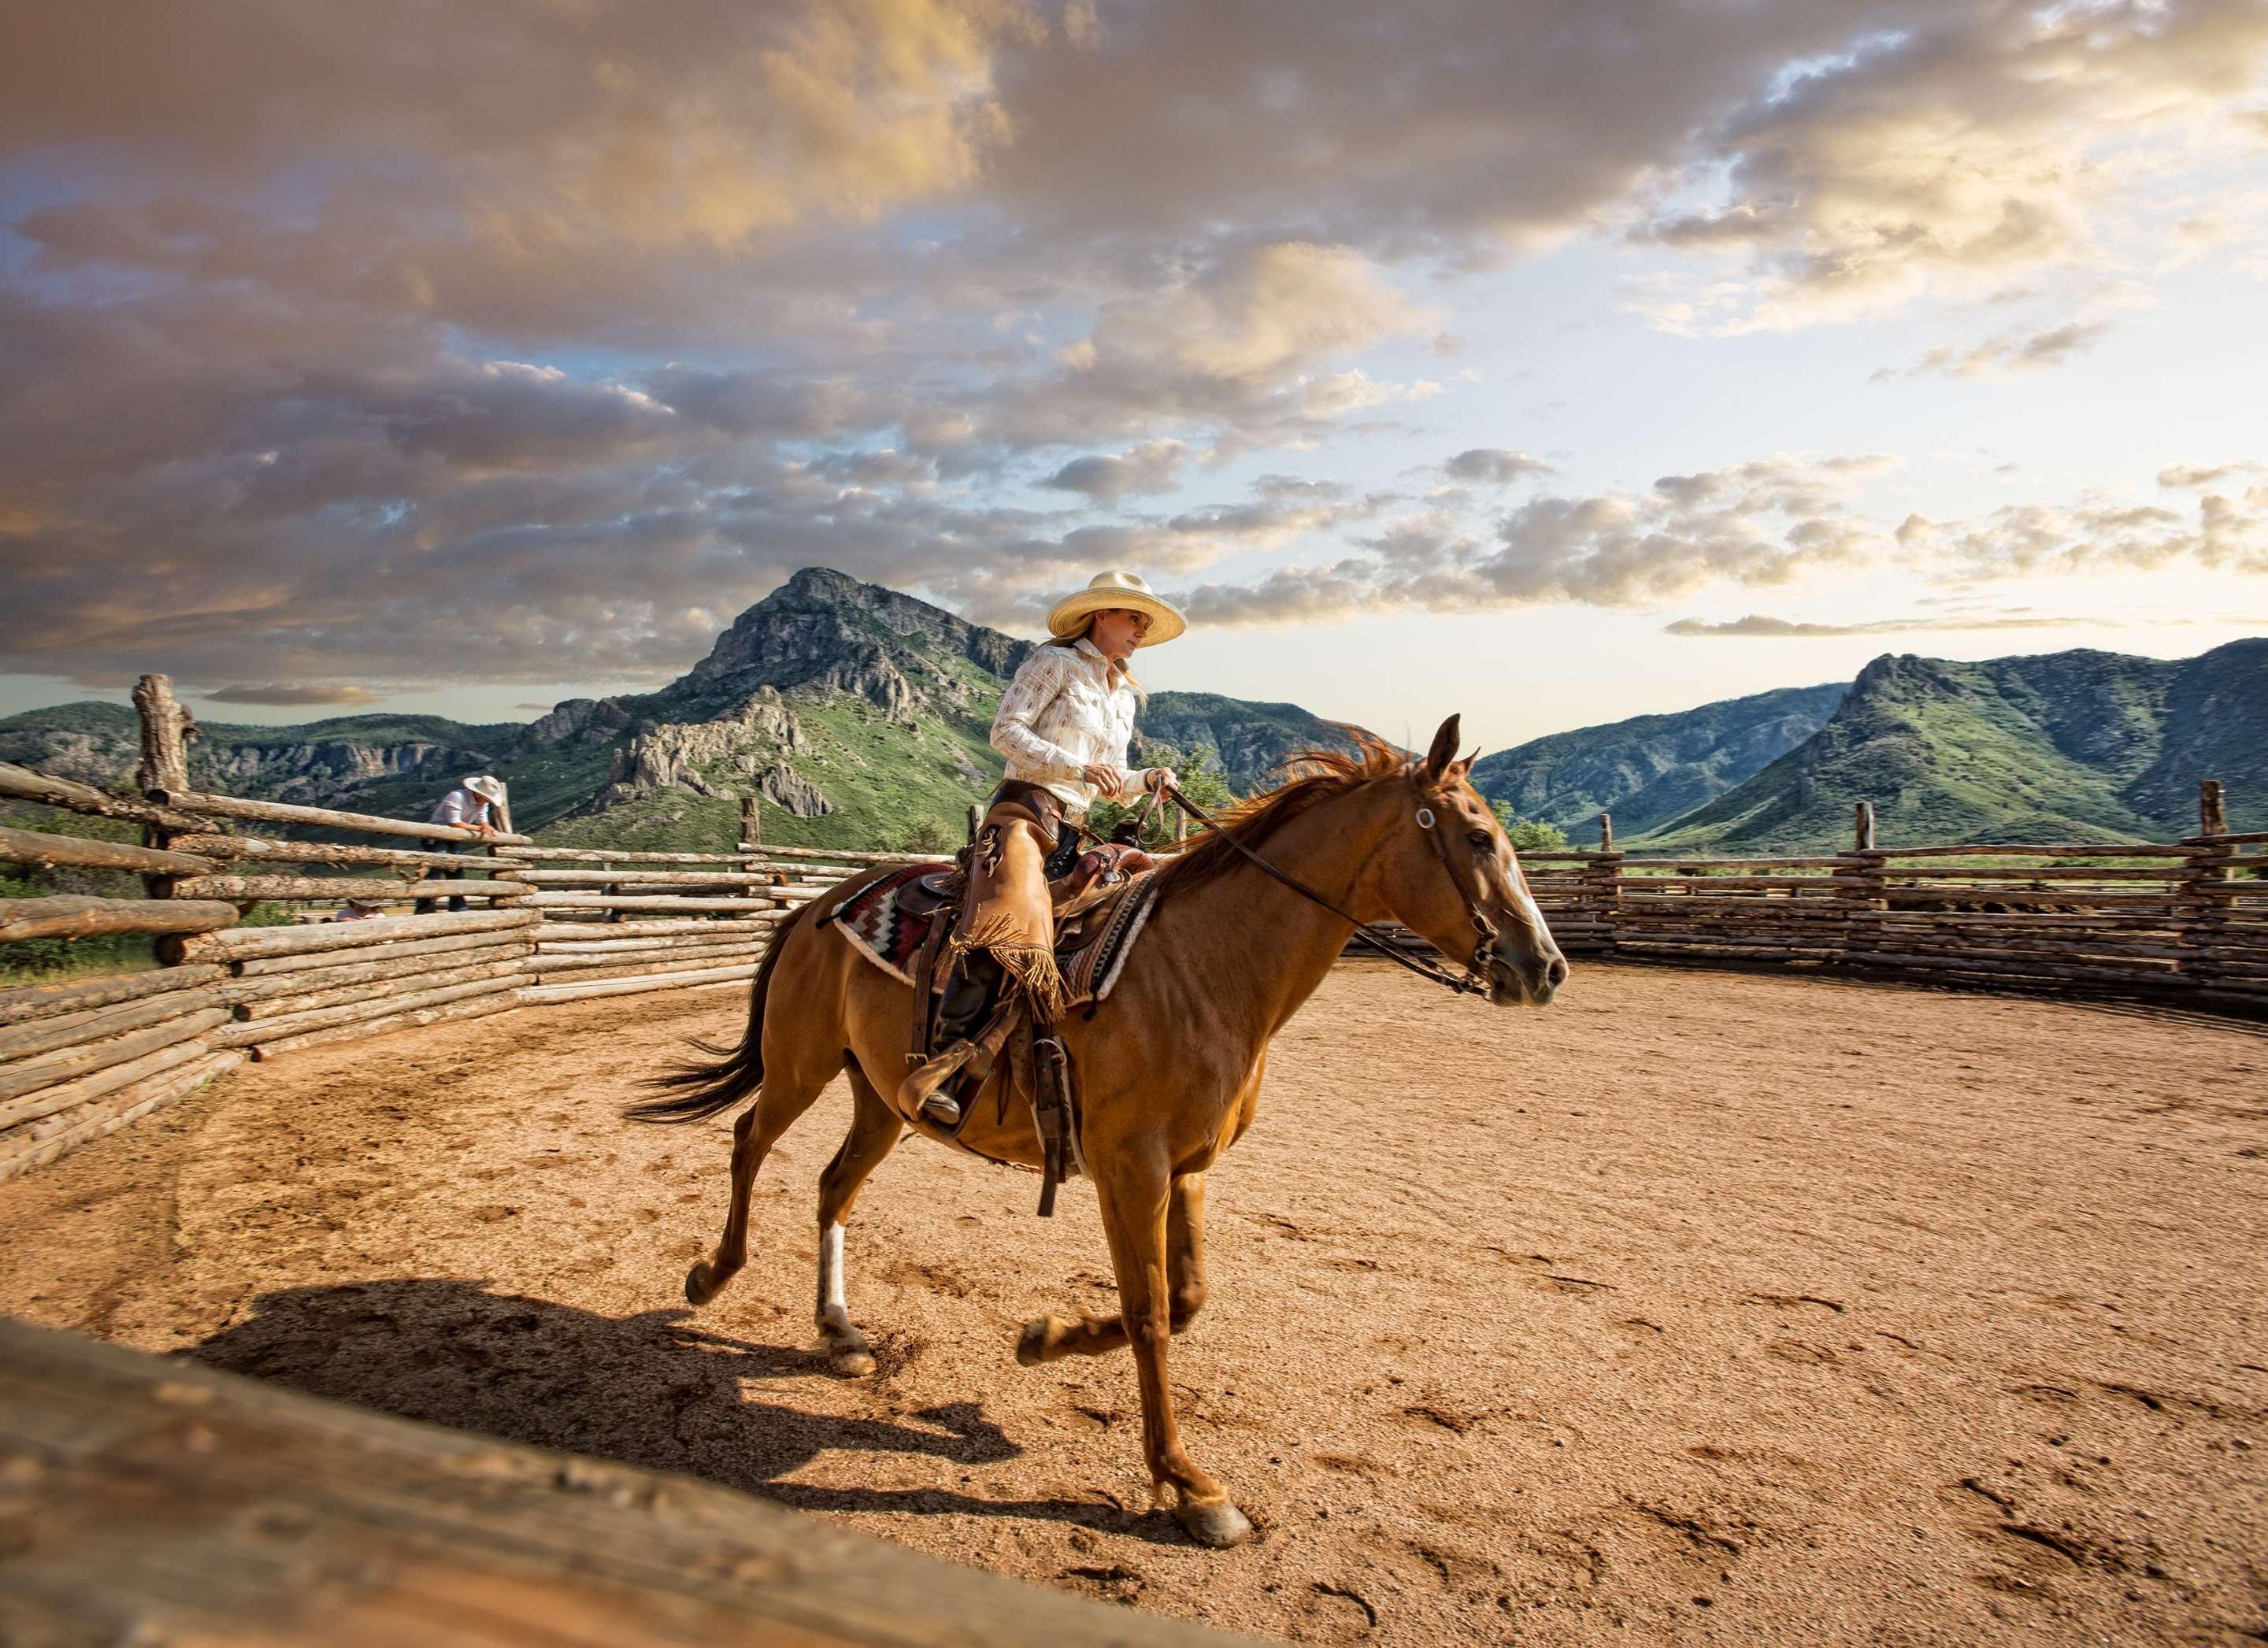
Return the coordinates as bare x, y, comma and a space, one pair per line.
1466, 876
1522, 962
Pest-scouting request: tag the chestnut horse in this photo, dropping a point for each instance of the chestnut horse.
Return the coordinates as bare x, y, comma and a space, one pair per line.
1169, 1068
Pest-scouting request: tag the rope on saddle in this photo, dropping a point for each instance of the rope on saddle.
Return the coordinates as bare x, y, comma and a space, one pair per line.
1467, 985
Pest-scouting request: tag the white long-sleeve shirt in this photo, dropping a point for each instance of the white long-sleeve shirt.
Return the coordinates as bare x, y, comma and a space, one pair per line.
462, 806
1068, 708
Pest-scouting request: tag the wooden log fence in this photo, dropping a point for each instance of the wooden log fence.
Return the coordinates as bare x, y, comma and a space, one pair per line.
69, 916
79, 1058
18, 783
326, 818
43, 851
247, 943
338, 854
337, 889
2181, 921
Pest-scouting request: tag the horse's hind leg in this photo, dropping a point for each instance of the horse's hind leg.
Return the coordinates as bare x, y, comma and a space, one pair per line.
874, 1132
1045, 1338
781, 1102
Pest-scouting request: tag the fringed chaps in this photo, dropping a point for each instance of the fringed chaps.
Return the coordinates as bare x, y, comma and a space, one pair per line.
1008, 916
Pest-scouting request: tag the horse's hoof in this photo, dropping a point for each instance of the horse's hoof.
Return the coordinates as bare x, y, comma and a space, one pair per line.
1216, 1525
699, 1289
1032, 1343
851, 1362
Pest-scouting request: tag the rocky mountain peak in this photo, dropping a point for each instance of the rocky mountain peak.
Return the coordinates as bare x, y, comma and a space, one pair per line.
824, 628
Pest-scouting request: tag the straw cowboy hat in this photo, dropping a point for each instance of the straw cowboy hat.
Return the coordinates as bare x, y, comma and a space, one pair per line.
1107, 590
487, 788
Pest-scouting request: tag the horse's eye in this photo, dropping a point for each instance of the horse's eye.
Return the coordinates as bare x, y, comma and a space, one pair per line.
1482, 839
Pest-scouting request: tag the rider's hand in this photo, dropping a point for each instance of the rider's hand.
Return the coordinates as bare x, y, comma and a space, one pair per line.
1158, 779
1108, 782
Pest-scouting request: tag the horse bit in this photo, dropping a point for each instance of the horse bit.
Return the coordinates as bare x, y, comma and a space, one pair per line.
1485, 930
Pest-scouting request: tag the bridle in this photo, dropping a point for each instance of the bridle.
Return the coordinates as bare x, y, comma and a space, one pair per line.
1484, 928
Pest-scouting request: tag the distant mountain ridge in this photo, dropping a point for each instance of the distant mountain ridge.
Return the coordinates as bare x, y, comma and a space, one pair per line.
860, 716
1649, 770
856, 712
2059, 747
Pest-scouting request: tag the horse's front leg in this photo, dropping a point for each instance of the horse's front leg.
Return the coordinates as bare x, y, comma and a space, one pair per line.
1045, 1338
1135, 1197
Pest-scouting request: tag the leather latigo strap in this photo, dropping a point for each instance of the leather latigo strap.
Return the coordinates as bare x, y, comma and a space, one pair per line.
926, 1003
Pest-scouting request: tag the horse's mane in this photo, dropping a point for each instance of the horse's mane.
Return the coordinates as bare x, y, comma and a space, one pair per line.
1317, 775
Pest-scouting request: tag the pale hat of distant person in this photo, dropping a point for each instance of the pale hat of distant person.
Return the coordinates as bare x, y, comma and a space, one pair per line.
487, 788
1108, 589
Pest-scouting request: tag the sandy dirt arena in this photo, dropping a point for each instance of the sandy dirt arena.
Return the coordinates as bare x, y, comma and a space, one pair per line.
1702, 1308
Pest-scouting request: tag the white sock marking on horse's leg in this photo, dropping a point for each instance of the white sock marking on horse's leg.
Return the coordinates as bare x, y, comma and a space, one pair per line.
830, 1271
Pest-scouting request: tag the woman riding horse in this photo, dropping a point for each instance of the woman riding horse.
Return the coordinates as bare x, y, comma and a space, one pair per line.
1064, 725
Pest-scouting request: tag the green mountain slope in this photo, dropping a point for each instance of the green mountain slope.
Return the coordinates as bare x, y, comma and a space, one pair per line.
1647, 770
2063, 747
1247, 740
859, 716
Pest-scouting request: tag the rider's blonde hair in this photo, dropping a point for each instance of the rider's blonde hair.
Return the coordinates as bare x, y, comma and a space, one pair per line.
1141, 695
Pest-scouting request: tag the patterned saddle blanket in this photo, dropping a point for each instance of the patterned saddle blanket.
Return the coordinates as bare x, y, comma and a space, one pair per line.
888, 921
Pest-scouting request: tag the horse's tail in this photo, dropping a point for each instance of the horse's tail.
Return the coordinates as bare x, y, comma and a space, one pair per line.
731, 1074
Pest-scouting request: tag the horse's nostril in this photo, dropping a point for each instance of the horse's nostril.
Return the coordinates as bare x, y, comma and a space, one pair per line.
1557, 972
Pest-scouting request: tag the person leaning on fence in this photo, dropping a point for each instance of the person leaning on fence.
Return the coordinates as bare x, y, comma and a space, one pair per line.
478, 805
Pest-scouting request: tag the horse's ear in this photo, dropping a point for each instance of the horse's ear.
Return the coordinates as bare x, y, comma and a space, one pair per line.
1444, 750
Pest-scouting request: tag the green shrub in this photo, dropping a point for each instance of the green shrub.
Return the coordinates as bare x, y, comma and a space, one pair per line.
1529, 836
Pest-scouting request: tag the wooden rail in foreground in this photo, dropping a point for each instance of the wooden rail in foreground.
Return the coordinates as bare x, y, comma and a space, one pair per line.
152, 1500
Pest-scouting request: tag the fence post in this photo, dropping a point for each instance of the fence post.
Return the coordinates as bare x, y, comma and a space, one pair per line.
165, 767
2201, 911
1862, 887
1602, 883
166, 728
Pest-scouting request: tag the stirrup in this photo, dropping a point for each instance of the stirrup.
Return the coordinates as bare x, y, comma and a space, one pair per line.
922, 1089
925, 1084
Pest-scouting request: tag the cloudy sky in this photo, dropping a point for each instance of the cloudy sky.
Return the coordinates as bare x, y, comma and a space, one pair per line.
1551, 362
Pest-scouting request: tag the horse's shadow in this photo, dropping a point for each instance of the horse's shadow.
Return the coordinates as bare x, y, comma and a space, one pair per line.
646, 1390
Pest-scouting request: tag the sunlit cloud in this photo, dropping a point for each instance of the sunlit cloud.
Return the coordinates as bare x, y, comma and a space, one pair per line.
337, 335
297, 693
1762, 625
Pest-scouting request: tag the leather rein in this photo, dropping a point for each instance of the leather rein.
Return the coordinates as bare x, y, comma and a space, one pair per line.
1470, 984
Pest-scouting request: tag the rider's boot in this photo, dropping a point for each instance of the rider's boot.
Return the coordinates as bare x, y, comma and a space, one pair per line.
969, 988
